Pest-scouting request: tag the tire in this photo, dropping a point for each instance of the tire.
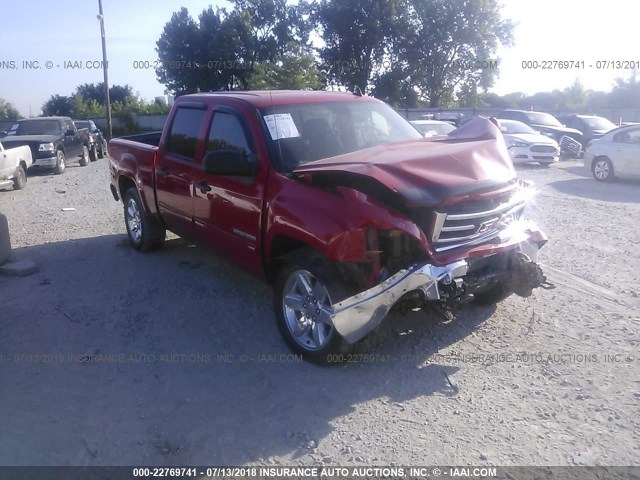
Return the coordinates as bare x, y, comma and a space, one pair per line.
304, 285
93, 154
545, 164
102, 150
602, 169
84, 158
20, 178
144, 232
493, 295
61, 164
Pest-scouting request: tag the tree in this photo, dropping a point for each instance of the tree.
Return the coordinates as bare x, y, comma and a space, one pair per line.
224, 50
626, 92
573, 98
95, 91
58, 105
356, 35
8, 111
452, 44
291, 71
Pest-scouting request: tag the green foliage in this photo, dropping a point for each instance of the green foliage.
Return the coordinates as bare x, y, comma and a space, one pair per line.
289, 71
224, 50
8, 111
58, 105
95, 92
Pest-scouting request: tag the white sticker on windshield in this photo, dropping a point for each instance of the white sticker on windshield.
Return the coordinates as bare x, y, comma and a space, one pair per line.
281, 125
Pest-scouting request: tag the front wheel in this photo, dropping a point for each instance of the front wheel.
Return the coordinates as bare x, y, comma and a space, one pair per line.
144, 232
84, 159
93, 154
602, 169
20, 178
302, 302
60, 163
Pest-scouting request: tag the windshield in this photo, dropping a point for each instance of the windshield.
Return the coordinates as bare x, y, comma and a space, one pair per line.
36, 127
83, 124
514, 127
434, 128
304, 133
543, 119
599, 123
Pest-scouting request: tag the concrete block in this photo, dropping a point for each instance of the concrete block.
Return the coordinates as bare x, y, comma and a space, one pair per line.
18, 268
5, 241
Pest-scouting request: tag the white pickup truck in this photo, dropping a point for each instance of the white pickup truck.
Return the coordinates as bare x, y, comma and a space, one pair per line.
14, 163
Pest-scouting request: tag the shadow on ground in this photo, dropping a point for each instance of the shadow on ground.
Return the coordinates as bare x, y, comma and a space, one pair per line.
620, 191
112, 357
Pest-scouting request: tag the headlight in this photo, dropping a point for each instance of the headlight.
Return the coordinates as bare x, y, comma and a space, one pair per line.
518, 144
549, 134
45, 147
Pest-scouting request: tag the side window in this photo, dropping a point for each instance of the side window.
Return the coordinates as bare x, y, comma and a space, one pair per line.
628, 136
227, 133
183, 138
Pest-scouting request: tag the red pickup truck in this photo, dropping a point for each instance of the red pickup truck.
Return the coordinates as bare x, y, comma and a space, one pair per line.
336, 200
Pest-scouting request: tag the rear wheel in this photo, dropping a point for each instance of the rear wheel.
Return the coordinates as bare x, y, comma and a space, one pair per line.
102, 151
602, 169
60, 163
20, 178
84, 159
304, 292
93, 154
144, 232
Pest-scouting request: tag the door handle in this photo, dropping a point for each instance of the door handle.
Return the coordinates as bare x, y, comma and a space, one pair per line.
162, 172
202, 186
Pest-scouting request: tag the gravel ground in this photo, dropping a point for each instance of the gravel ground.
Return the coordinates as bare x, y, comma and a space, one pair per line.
111, 357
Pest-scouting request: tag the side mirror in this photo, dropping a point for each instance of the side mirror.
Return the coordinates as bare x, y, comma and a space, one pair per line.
3, 133
70, 132
229, 162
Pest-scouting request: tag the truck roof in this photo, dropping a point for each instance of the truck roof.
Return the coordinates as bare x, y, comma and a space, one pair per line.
43, 118
267, 98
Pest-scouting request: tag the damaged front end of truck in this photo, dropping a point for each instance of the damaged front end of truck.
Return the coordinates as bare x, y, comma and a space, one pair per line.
438, 223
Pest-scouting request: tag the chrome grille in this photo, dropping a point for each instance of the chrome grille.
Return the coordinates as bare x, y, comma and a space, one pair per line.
544, 149
467, 226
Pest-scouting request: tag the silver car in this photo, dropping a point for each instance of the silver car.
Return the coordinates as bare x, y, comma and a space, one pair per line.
615, 154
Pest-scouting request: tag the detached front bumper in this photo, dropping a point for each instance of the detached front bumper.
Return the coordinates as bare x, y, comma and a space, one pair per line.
356, 316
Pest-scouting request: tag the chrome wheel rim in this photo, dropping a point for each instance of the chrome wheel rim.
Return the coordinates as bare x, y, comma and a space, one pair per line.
306, 306
601, 170
61, 159
134, 221
85, 154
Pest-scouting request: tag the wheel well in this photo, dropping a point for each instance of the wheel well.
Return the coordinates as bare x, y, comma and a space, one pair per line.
124, 184
23, 164
281, 245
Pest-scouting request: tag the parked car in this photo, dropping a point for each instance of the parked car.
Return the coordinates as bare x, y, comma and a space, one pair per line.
14, 163
52, 140
615, 154
100, 147
591, 126
526, 145
569, 139
431, 128
338, 202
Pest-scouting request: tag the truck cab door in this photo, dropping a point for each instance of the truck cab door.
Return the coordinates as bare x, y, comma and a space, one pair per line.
228, 208
72, 147
176, 166
627, 152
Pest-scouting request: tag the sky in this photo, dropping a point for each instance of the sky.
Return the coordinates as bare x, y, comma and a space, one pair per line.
69, 35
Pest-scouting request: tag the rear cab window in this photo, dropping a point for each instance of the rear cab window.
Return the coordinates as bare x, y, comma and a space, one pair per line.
185, 129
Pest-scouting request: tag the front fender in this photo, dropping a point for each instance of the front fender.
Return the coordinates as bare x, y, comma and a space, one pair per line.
334, 222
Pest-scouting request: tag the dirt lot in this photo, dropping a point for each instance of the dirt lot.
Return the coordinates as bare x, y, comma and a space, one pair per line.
188, 366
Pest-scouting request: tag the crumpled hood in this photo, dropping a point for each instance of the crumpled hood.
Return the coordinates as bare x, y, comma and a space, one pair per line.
473, 157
